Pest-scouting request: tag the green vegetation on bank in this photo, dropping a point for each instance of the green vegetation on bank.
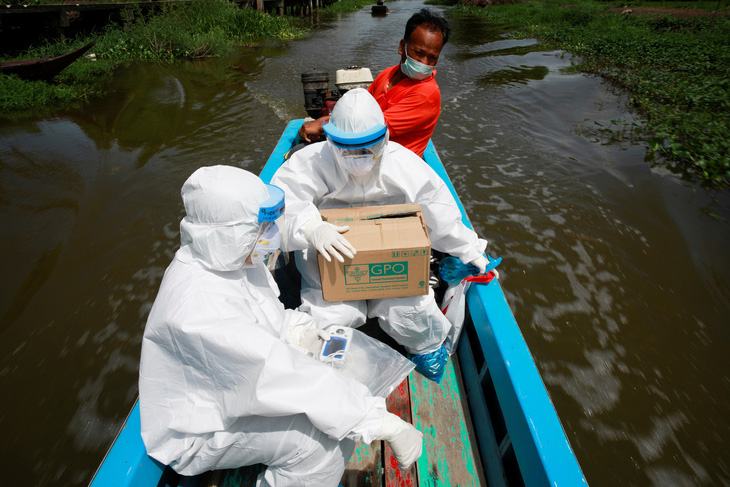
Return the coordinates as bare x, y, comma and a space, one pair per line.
196, 29
202, 28
676, 70
344, 6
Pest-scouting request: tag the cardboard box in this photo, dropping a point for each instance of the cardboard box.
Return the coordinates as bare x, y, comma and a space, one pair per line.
393, 254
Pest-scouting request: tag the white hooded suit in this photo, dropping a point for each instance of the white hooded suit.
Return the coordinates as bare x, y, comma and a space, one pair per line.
314, 179
219, 385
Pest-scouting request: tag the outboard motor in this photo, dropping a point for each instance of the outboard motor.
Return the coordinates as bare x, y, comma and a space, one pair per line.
352, 77
316, 86
318, 100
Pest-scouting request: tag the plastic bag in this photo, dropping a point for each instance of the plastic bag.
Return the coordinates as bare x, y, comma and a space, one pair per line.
372, 363
432, 365
454, 307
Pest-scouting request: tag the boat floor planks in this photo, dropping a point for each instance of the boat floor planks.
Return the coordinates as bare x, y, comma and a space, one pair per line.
365, 467
440, 413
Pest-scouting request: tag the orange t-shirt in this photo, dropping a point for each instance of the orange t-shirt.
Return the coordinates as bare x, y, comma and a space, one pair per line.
411, 108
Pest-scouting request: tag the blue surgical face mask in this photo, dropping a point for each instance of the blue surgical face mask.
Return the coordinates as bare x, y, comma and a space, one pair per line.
413, 69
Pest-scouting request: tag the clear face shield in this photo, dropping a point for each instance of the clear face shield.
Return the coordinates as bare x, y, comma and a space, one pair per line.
357, 153
272, 231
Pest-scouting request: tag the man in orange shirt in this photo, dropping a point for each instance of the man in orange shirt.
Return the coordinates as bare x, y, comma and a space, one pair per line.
407, 92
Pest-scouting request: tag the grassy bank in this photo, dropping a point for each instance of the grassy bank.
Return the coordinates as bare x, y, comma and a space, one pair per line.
202, 28
344, 6
677, 70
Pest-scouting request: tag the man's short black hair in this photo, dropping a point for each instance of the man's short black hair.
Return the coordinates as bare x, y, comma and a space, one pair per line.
428, 19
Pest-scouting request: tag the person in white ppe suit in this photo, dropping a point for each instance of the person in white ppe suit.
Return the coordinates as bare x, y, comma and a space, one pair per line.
224, 379
357, 166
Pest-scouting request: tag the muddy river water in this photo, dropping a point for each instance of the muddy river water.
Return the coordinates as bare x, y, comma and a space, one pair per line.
616, 269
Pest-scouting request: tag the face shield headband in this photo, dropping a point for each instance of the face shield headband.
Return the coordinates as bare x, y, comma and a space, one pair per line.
359, 140
273, 208
273, 226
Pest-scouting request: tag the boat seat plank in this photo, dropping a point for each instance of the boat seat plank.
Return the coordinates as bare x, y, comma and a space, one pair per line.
439, 412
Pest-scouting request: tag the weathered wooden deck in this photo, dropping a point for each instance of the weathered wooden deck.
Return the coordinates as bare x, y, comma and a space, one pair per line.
438, 412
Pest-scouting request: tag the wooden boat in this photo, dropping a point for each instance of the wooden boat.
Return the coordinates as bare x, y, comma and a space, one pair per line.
379, 9
489, 422
43, 68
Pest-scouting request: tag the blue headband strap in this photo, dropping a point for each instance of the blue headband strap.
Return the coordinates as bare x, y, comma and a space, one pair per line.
273, 207
359, 140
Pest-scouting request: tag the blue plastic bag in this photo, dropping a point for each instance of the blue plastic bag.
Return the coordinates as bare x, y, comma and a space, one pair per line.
432, 365
453, 270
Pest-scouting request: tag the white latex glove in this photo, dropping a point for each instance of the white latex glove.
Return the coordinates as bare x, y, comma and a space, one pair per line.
326, 238
404, 439
481, 264
308, 338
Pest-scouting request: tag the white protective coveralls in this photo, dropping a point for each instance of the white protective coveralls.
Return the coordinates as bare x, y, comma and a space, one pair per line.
219, 385
314, 179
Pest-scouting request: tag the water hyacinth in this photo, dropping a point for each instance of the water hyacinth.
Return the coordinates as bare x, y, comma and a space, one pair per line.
675, 70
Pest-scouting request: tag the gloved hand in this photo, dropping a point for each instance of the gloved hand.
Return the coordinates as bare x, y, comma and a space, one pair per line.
481, 264
405, 440
326, 238
308, 338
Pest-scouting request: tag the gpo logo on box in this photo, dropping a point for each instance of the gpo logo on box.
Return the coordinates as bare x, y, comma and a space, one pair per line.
389, 269
376, 272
